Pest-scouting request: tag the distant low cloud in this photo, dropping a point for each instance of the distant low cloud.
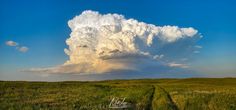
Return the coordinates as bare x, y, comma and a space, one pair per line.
106, 43
18, 47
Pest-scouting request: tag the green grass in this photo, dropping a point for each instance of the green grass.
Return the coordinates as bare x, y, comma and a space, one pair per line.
144, 94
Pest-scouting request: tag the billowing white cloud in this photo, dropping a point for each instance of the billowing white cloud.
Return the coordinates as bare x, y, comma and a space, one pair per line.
18, 47
11, 43
101, 43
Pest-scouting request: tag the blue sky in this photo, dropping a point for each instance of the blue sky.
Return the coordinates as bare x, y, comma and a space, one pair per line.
41, 25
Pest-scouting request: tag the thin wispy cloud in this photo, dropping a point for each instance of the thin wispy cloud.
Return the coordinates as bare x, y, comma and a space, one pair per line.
178, 65
196, 52
198, 46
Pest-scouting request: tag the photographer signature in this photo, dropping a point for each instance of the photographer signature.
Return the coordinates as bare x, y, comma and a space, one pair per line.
119, 103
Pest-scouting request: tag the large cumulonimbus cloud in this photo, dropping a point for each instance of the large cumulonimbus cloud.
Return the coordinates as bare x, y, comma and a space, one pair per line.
103, 43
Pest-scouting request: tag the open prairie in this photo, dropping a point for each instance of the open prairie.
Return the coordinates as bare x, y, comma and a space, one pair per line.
140, 94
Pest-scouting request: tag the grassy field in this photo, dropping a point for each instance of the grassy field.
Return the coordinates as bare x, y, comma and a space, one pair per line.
143, 94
